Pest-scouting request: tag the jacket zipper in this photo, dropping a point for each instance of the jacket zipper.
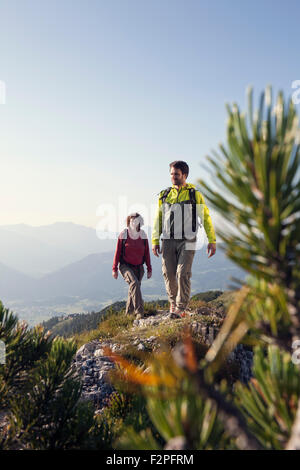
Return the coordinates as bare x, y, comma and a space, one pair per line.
178, 193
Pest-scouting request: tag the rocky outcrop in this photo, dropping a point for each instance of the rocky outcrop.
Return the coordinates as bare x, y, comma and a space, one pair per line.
94, 366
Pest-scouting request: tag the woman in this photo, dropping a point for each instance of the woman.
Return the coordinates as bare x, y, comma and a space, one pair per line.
132, 252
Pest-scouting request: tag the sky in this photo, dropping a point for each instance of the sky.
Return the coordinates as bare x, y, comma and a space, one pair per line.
100, 96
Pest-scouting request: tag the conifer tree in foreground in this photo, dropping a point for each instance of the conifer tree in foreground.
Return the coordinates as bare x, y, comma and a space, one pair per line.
40, 391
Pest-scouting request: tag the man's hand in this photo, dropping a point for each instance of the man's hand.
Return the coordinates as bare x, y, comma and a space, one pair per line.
211, 249
149, 274
156, 250
115, 274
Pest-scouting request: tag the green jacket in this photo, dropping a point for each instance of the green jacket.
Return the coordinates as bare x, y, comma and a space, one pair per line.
182, 194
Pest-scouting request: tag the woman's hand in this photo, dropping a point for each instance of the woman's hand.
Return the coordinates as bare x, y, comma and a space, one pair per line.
115, 274
149, 274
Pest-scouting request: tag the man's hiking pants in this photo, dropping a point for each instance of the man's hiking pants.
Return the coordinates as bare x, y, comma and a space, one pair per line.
133, 276
177, 263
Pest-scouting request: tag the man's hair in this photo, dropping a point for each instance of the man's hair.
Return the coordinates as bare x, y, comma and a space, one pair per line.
134, 216
180, 165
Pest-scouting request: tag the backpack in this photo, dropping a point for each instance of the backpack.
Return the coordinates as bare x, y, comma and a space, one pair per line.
192, 196
123, 248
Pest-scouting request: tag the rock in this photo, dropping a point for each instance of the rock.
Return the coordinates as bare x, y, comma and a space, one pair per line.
152, 338
204, 310
99, 352
87, 348
211, 334
107, 359
94, 367
152, 320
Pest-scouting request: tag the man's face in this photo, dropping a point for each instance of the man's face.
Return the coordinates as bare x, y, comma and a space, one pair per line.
177, 177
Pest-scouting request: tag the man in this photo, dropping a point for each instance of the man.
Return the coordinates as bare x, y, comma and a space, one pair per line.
177, 219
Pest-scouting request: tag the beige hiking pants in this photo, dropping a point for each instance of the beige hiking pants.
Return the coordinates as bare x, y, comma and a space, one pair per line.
177, 270
133, 276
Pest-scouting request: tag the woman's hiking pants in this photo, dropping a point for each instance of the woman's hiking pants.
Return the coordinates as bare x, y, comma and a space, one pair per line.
133, 276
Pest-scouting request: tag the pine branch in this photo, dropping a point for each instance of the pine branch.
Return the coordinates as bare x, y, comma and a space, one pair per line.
232, 419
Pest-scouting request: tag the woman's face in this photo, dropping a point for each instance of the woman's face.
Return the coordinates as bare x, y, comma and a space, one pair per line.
134, 223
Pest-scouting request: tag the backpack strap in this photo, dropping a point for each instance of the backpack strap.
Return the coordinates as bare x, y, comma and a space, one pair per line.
192, 195
193, 202
164, 196
144, 257
123, 247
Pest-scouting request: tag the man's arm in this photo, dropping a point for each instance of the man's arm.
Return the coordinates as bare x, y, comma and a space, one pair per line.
203, 213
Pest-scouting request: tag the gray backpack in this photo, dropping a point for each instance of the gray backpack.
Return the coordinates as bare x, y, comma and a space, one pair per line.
191, 214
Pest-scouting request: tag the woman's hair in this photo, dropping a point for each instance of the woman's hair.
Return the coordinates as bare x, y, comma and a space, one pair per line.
134, 216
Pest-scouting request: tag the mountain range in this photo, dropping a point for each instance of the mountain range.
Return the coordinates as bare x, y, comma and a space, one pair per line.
84, 283
40, 250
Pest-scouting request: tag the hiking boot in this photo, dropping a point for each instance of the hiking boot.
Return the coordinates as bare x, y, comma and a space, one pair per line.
180, 312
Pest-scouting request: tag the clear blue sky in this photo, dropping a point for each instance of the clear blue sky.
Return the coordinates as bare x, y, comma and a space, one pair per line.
102, 95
